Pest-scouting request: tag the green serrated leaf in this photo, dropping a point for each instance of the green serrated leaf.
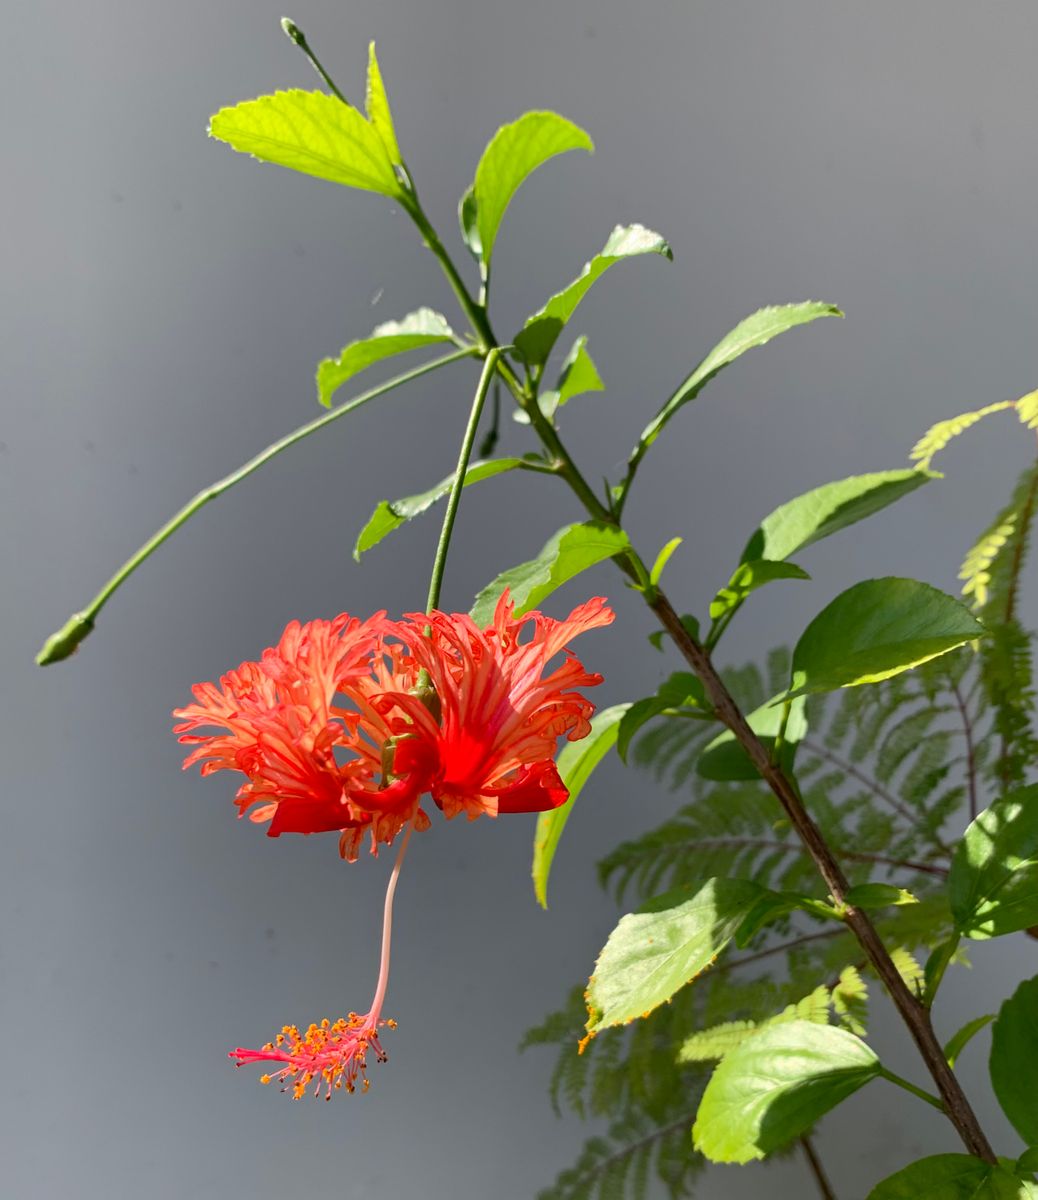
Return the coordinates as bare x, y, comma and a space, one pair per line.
377, 104
826, 510
878, 629
724, 760
681, 690
537, 337
653, 952
391, 514
960, 1040
953, 1177
424, 327
775, 1086
993, 882
575, 764
755, 330
570, 551
748, 577
772, 906
878, 895
513, 153
310, 132
577, 375
1014, 1051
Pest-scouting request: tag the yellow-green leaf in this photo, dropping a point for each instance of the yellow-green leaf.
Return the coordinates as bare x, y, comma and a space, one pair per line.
377, 104
310, 132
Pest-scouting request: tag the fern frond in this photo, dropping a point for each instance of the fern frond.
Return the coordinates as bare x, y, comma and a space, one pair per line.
618, 1165
1027, 410
850, 999
908, 968
708, 1045
992, 571
938, 436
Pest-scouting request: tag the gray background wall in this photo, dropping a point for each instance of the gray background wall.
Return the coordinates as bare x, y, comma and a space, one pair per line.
164, 304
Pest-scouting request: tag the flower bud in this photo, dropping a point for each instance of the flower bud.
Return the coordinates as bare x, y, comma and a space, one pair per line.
65, 642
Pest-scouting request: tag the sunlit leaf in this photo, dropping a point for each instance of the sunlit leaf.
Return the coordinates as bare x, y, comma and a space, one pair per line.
878, 895
570, 551
775, 1086
653, 952
377, 104
513, 153
310, 132
994, 871
748, 577
421, 328
877, 629
577, 375
725, 760
575, 763
537, 337
958, 1042
755, 330
953, 1177
680, 690
391, 514
1014, 1052
827, 509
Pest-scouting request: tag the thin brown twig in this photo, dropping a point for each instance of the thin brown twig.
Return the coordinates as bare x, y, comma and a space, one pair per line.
825, 1188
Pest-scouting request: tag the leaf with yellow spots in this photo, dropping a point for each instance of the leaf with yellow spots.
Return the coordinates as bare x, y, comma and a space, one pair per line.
654, 951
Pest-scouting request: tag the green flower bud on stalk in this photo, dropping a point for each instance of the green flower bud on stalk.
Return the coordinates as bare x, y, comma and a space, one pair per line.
66, 641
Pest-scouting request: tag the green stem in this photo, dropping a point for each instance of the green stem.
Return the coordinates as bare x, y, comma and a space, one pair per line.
476, 315
295, 34
454, 499
911, 1087
780, 737
61, 644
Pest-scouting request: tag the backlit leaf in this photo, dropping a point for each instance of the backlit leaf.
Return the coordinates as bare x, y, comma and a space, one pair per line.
537, 337
953, 1177
775, 1086
377, 104
877, 629
513, 153
682, 689
423, 327
827, 509
755, 330
1014, 1051
653, 952
725, 760
960, 1040
993, 883
391, 514
571, 550
575, 763
748, 577
310, 132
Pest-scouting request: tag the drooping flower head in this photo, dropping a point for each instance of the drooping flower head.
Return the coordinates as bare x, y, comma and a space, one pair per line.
345, 725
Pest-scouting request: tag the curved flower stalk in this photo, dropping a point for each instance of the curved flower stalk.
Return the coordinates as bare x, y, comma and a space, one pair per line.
345, 725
